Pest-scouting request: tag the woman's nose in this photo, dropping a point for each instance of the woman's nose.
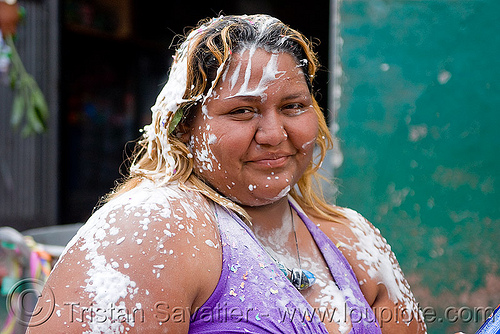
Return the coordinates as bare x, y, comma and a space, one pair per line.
271, 130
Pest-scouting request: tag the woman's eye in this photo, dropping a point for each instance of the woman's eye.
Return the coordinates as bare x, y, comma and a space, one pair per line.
240, 111
243, 113
294, 108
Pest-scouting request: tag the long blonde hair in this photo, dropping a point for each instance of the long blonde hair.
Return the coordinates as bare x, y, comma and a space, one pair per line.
199, 62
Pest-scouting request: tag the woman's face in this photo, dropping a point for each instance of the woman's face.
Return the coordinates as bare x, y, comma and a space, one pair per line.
255, 133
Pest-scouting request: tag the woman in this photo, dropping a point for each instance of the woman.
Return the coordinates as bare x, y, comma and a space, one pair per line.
220, 227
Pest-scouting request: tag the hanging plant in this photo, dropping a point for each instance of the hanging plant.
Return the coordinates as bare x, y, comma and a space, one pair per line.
29, 107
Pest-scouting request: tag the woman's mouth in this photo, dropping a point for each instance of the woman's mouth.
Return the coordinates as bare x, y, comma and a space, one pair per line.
270, 162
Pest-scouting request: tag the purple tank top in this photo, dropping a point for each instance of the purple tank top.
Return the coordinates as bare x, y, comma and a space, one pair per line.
254, 296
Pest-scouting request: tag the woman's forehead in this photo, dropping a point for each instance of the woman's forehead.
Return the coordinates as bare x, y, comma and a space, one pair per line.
252, 70
260, 56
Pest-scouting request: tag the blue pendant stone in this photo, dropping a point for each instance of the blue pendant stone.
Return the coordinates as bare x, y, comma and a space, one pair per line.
302, 279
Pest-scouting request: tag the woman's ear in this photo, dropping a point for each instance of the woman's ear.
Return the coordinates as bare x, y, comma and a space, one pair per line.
183, 129
183, 132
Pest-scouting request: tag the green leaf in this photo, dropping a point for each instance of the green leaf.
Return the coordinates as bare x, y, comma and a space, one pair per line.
41, 118
175, 120
12, 78
27, 130
40, 104
33, 121
17, 110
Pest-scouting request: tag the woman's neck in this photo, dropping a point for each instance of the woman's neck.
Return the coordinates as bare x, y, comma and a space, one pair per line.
273, 226
269, 217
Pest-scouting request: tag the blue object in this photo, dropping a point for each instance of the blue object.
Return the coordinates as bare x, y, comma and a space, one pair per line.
302, 279
492, 324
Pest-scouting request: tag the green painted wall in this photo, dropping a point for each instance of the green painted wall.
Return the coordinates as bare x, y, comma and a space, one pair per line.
419, 126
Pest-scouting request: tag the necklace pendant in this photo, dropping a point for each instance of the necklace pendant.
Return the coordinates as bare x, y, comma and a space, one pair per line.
302, 279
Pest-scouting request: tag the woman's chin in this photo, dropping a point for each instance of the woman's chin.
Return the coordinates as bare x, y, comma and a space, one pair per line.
260, 197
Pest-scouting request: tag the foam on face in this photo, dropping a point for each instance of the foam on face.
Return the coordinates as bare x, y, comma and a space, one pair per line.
234, 77
204, 155
269, 74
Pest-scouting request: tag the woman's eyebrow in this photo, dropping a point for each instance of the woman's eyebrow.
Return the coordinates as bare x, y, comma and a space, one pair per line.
295, 96
249, 98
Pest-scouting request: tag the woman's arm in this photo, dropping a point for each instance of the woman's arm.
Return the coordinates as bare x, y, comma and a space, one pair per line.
137, 268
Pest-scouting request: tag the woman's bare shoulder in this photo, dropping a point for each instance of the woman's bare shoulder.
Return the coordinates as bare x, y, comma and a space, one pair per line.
148, 251
375, 266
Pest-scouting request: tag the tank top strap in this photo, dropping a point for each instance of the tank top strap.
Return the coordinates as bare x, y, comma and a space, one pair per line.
362, 316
